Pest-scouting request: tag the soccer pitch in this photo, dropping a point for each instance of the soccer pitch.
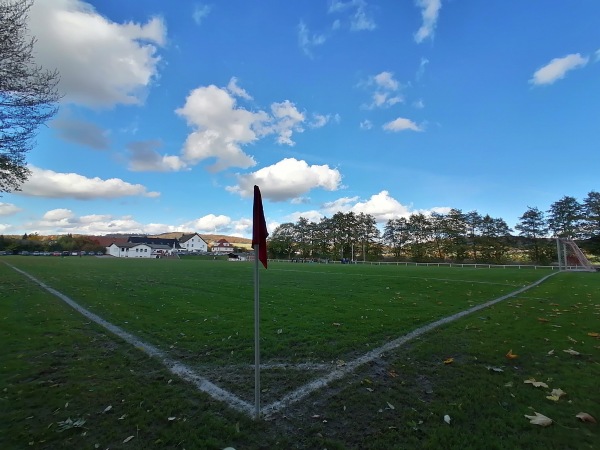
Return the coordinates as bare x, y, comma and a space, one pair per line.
314, 317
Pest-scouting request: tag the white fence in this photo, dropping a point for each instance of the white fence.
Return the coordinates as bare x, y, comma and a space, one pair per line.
433, 264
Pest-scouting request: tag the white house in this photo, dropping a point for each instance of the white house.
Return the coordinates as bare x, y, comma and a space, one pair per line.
193, 243
133, 250
222, 246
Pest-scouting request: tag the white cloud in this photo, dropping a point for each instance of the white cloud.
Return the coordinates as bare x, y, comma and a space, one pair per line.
308, 41
287, 120
145, 158
236, 90
419, 104
430, 10
385, 88
287, 179
386, 81
59, 221
421, 69
381, 206
401, 124
50, 184
101, 63
360, 17
200, 13
58, 214
221, 128
8, 209
208, 224
366, 124
557, 69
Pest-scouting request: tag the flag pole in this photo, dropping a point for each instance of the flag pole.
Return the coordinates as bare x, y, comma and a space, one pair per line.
256, 337
259, 243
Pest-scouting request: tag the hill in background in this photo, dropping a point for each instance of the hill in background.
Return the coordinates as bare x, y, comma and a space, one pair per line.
209, 238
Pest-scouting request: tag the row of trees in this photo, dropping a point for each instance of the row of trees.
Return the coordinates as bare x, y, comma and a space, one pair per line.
456, 236
36, 243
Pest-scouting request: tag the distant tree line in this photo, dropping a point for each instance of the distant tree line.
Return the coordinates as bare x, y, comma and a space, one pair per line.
36, 243
454, 236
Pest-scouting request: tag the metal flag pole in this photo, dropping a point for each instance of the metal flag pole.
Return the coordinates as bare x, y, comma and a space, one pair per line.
256, 337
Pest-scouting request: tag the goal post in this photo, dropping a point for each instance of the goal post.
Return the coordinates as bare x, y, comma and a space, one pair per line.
570, 256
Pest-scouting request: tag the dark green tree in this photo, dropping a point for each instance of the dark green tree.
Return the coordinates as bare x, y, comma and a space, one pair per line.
565, 218
591, 214
534, 228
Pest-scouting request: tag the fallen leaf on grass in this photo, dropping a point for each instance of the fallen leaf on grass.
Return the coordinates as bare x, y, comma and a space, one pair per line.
556, 394
447, 419
539, 419
128, 439
494, 369
69, 423
449, 361
535, 383
591, 334
511, 355
107, 409
390, 405
550, 353
570, 351
571, 339
541, 319
585, 417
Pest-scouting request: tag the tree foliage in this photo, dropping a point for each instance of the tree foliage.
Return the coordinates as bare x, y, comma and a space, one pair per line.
28, 93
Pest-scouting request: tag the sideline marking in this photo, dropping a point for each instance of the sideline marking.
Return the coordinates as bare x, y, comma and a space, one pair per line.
175, 367
204, 385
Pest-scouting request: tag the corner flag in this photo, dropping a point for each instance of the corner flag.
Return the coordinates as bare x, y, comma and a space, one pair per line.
259, 243
259, 227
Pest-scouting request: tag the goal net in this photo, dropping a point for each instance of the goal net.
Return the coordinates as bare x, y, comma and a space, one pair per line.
570, 256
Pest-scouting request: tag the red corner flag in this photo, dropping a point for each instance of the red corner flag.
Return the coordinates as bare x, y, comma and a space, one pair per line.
259, 227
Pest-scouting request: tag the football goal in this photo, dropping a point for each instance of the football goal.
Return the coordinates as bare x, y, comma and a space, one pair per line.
570, 256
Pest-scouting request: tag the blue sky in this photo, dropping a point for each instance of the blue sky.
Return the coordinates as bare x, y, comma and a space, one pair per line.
172, 111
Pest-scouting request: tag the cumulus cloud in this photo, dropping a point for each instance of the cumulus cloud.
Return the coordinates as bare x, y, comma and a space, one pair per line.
287, 179
401, 124
430, 10
381, 206
62, 220
558, 68
81, 133
50, 184
8, 209
222, 128
208, 224
144, 157
101, 63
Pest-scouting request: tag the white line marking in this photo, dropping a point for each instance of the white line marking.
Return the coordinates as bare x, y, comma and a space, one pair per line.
204, 385
175, 367
351, 366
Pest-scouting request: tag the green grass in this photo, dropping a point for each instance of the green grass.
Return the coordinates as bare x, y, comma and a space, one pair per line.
201, 312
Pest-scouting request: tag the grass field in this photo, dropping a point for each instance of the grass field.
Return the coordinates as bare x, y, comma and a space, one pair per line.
57, 364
